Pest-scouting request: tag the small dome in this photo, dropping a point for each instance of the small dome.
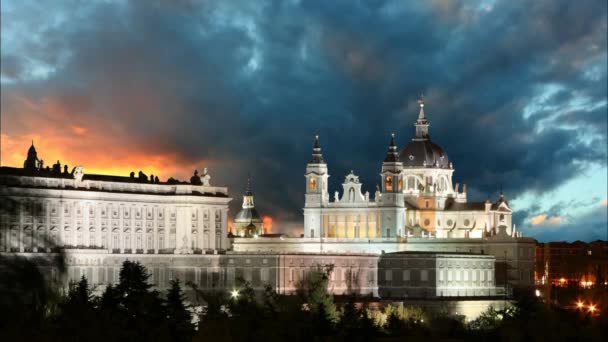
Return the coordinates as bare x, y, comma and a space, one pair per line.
423, 153
247, 215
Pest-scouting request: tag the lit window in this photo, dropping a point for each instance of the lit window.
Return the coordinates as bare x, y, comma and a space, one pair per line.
313, 184
400, 184
389, 183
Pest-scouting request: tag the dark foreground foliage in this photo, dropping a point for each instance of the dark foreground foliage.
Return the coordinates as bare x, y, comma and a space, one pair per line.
133, 311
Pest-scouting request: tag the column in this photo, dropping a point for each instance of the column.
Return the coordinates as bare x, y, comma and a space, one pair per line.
224, 228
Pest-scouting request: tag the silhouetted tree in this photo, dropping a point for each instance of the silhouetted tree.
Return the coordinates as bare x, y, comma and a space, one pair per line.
178, 316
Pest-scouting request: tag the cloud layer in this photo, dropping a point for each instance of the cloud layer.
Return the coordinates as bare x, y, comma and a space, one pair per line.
515, 91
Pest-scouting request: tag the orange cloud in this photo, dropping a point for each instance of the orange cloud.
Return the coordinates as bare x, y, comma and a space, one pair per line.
544, 219
604, 202
69, 131
267, 220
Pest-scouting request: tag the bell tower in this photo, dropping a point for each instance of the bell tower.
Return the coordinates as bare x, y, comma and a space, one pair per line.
392, 198
316, 191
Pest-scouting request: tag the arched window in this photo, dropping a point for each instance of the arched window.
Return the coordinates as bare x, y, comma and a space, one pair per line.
313, 184
115, 241
388, 183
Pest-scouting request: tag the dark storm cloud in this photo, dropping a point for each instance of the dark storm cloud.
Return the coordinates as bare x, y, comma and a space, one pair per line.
247, 85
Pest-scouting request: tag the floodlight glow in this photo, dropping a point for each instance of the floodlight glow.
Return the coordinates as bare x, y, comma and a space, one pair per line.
234, 294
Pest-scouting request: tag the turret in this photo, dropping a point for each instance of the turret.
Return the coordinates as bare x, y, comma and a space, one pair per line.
32, 163
316, 177
391, 169
316, 191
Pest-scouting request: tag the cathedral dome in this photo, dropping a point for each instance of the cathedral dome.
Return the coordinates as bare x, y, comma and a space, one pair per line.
423, 153
248, 215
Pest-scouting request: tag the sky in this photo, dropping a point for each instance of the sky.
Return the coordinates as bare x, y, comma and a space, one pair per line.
515, 91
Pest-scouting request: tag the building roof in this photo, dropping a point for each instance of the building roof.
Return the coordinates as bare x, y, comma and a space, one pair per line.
49, 173
468, 206
247, 214
423, 153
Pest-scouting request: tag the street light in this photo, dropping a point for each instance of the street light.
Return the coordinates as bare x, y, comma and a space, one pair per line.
579, 304
234, 294
592, 308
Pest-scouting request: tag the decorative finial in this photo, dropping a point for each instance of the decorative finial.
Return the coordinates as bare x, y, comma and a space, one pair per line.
421, 100
392, 134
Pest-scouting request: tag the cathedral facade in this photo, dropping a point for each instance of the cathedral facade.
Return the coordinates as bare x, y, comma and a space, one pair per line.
417, 198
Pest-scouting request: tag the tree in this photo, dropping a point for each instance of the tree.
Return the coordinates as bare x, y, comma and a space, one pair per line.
178, 316
144, 311
313, 289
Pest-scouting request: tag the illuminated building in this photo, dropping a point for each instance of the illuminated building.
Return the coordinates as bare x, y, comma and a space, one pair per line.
417, 208
248, 222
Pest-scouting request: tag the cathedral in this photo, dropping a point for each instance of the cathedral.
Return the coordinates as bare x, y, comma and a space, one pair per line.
417, 198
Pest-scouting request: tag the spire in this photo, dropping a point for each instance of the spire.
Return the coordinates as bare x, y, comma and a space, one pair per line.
248, 191
317, 157
422, 124
248, 197
392, 155
421, 113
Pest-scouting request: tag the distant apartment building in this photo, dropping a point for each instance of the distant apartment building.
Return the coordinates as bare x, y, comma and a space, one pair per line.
576, 264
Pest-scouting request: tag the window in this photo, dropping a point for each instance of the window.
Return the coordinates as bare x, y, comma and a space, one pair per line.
411, 183
388, 184
426, 204
441, 275
424, 275
466, 275
264, 275
467, 223
427, 222
313, 184
388, 275
312, 233
406, 275
400, 184
91, 239
388, 232
247, 275
489, 275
